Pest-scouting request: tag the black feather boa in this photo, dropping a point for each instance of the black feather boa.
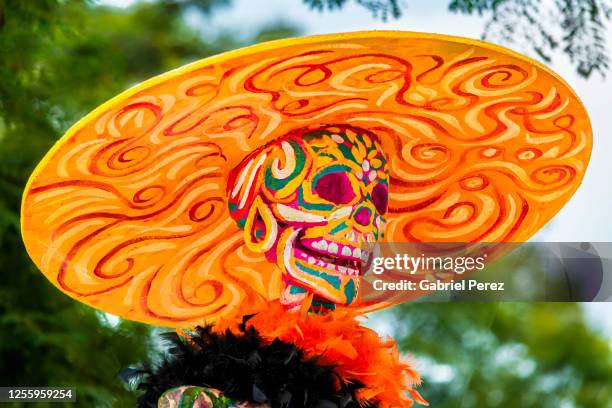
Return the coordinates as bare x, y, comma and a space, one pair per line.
245, 368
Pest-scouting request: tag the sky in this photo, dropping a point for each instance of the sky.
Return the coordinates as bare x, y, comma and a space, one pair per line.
586, 217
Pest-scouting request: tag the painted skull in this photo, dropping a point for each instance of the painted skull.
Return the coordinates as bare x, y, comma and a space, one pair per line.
309, 201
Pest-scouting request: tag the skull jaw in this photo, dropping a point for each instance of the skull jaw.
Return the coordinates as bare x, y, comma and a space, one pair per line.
315, 279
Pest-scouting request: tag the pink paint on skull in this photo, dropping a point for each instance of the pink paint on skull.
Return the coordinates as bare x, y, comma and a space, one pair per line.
363, 216
335, 187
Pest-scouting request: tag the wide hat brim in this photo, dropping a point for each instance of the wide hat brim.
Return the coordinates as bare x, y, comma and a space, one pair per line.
128, 211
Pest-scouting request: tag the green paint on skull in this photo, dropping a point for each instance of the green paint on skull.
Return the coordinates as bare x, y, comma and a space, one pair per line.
311, 206
338, 228
273, 183
333, 280
296, 290
349, 291
335, 168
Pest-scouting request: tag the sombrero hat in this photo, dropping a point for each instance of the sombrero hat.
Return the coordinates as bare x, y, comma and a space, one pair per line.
129, 212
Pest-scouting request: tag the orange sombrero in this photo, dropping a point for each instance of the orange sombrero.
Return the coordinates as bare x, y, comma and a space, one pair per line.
128, 211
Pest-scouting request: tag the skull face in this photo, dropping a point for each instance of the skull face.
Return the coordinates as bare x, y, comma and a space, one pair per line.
309, 201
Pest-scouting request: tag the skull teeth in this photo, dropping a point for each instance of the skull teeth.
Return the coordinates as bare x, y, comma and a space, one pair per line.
334, 248
333, 256
314, 261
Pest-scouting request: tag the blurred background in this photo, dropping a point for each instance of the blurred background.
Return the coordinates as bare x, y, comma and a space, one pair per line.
59, 59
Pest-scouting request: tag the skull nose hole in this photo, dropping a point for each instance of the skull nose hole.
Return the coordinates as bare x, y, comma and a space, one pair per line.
363, 216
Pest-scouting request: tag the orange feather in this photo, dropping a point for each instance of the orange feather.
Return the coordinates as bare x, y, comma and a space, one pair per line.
338, 339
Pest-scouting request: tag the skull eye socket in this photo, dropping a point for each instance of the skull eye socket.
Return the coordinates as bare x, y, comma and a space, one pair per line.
380, 198
335, 187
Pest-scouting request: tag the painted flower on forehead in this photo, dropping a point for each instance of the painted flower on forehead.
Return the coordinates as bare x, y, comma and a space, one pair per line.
305, 203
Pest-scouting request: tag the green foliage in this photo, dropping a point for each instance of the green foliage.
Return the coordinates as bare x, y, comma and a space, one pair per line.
60, 59
507, 354
382, 9
577, 27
